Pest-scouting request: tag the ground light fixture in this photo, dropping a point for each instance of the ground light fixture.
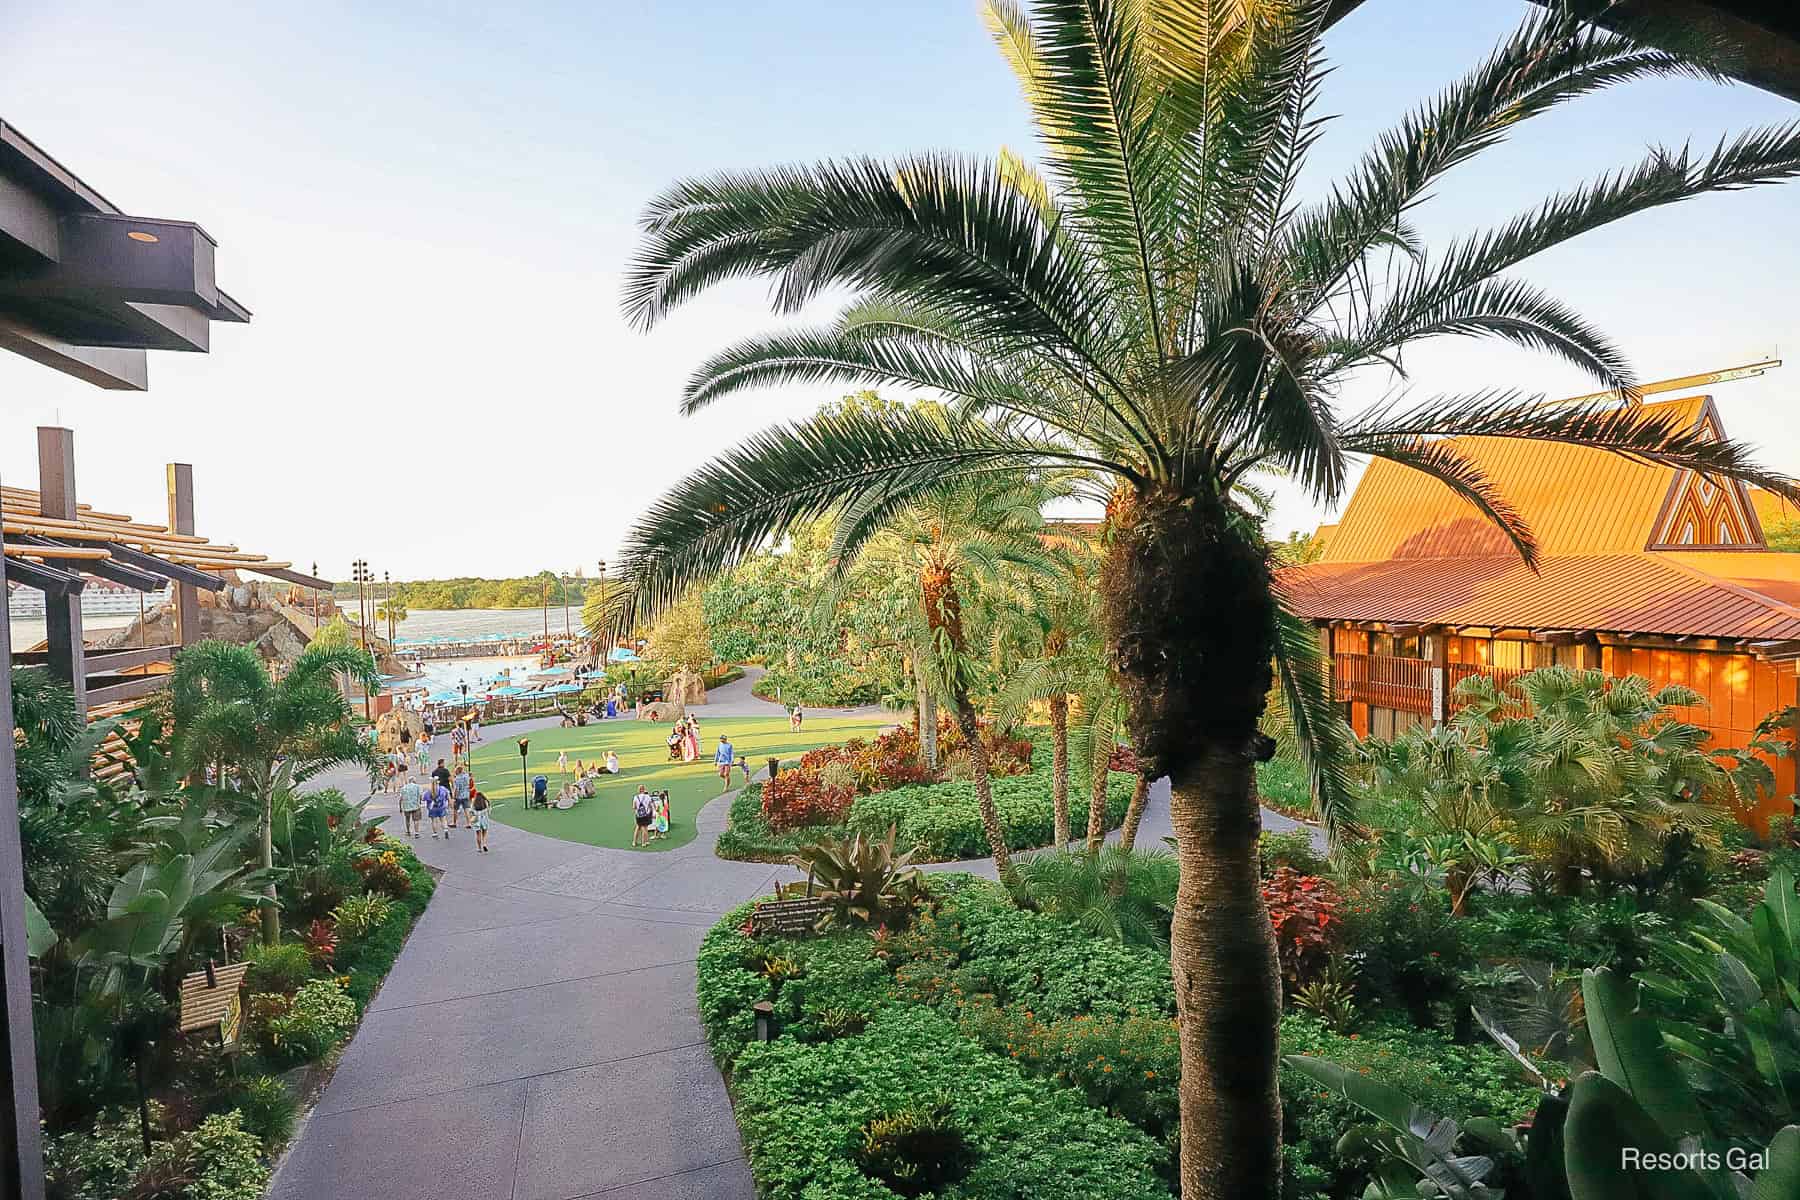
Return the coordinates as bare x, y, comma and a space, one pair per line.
524, 784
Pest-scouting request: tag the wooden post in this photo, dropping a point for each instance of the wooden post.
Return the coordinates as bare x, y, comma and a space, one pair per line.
181, 520
21, 1140
1440, 677
62, 613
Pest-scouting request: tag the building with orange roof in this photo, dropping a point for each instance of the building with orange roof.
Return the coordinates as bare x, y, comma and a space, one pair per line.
1643, 570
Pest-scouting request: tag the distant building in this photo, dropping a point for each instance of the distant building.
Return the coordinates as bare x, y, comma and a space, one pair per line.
1643, 570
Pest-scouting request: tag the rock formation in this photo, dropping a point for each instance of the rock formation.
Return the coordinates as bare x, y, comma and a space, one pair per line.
685, 687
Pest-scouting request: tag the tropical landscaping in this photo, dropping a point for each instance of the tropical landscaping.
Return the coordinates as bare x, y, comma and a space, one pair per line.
1541, 934
212, 850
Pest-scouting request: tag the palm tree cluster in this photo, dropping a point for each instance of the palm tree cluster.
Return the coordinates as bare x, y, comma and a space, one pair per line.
1157, 310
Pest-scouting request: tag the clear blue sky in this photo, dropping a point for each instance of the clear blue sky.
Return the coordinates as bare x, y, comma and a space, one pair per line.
427, 207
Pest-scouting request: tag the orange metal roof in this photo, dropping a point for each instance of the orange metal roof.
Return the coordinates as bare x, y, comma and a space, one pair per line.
1622, 593
1769, 573
1772, 509
1577, 500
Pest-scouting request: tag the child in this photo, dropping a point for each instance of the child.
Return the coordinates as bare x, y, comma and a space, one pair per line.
481, 822
662, 814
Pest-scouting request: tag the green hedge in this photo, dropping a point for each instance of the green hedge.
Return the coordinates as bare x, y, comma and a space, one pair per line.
941, 818
802, 1107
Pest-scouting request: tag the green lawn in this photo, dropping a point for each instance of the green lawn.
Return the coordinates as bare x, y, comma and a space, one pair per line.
642, 747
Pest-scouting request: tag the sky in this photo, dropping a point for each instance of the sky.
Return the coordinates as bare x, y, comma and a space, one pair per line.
428, 206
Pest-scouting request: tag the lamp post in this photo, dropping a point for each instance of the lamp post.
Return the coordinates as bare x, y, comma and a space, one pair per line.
603, 634
524, 784
360, 572
546, 602
315, 593
564, 583
387, 595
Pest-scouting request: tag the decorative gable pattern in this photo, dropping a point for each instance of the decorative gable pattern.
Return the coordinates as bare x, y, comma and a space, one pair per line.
1699, 513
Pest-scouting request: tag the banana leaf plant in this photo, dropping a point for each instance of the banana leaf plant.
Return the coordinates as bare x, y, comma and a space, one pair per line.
864, 881
1736, 990
1637, 1131
1418, 1150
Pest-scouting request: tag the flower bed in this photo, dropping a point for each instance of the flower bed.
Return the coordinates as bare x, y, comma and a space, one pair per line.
218, 1127
980, 1012
942, 819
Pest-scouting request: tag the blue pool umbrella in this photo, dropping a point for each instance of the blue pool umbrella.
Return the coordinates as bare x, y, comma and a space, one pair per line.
507, 691
562, 689
621, 654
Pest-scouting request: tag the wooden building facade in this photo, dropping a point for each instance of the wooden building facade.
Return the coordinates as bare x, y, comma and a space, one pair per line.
1643, 570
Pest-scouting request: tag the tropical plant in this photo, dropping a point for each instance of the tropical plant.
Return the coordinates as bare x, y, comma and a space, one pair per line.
948, 550
1418, 1150
862, 879
1160, 311
264, 736
1595, 778
393, 611
356, 916
1734, 990
1117, 893
1049, 645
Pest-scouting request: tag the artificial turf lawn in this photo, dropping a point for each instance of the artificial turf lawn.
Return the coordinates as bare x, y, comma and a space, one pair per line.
642, 747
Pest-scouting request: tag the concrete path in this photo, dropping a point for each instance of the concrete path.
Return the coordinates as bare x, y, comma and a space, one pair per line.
538, 1038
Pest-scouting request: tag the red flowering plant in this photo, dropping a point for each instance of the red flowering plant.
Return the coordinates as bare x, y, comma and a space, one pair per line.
802, 797
1307, 913
320, 940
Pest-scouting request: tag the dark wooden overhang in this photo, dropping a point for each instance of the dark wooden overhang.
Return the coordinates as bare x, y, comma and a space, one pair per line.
86, 288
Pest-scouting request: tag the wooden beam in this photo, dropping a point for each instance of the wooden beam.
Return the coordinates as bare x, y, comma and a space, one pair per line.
180, 478
110, 689
62, 614
105, 662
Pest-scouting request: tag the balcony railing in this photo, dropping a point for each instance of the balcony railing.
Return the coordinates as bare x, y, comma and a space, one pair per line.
1404, 684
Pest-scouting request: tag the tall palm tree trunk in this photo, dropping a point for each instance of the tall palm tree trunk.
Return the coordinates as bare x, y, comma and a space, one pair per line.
1190, 625
1059, 765
1096, 830
926, 716
984, 783
1134, 812
943, 617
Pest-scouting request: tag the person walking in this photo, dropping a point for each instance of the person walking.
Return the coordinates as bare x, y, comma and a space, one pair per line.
475, 729
562, 763
437, 803
441, 773
481, 822
795, 717
459, 743
412, 799
462, 788
723, 759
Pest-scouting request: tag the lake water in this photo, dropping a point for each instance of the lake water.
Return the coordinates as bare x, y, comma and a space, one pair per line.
478, 622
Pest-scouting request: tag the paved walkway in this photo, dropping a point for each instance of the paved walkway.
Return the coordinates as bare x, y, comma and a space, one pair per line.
538, 1037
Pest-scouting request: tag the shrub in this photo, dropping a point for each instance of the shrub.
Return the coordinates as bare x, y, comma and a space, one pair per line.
1283, 785
319, 1016
279, 968
96, 1165
863, 880
1307, 913
916, 1150
1409, 949
800, 798
358, 915
804, 1110
383, 872
367, 960
1290, 848
266, 1108
225, 1161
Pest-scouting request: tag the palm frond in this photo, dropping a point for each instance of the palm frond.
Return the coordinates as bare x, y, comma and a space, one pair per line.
1636, 432
1460, 474
1323, 742
729, 509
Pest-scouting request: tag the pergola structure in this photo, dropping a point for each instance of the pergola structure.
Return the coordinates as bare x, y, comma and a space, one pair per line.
54, 543
86, 289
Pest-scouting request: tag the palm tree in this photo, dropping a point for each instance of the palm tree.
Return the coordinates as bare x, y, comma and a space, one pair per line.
1159, 308
950, 547
262, 735
1048, 644
393, 611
